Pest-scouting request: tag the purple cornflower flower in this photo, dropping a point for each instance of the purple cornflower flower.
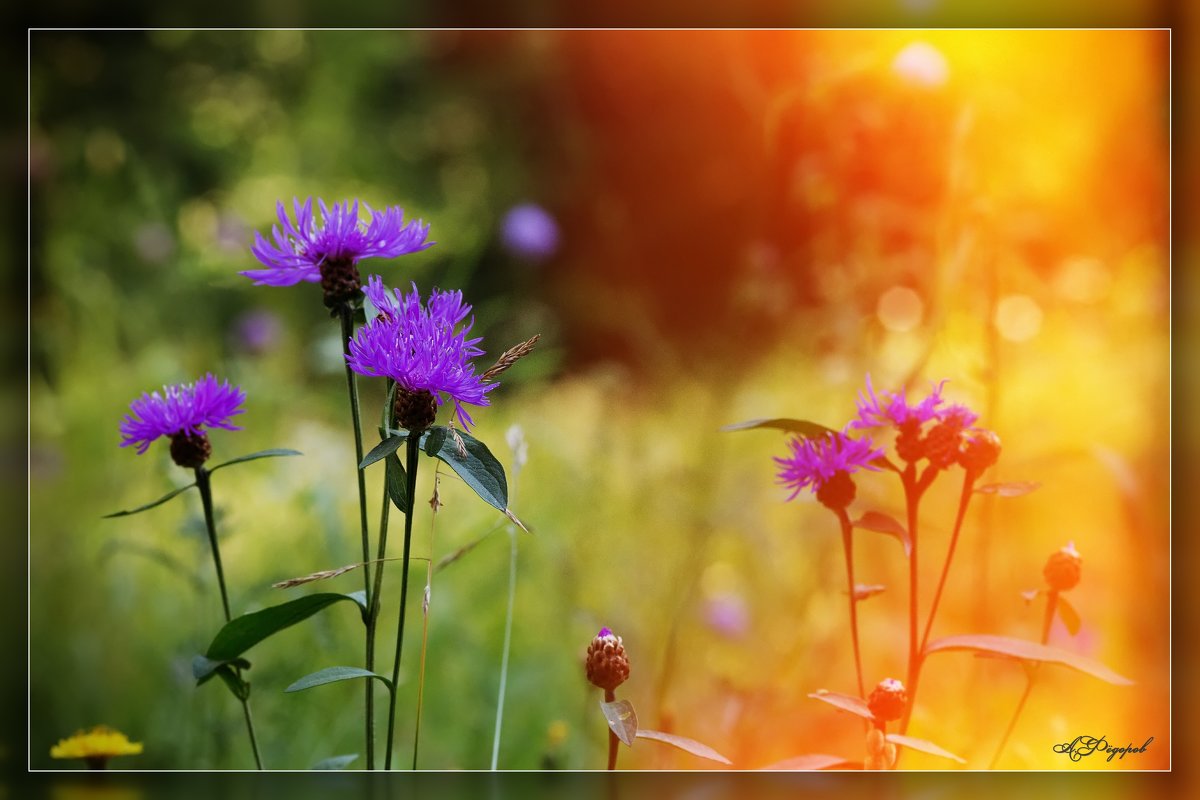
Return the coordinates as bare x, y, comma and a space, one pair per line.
181, 413
894, 409
818, 462
424, 349
529, 231
330, 253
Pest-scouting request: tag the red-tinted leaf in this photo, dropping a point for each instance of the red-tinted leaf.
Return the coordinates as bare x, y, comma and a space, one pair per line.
862, 591
1028, 651
1010, 489
1068, 614
622, 719
813, 761
685, 744
913, 743
846, 702
1030, 595
882, 523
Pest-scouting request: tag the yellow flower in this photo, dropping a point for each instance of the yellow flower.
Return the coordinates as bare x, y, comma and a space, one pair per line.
98, 744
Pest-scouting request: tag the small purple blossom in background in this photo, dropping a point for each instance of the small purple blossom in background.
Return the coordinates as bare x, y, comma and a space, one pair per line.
304, 251
726, 613
185, 409
814, 461
529, 231
256, 331
423, 348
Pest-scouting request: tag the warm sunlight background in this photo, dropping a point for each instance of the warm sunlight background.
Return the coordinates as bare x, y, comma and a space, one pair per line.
748, 223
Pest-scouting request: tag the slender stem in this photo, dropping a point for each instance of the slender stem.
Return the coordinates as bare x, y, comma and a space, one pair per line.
205, 486
848, 548
963, 501
508, 620
609, 697
912, 501
1030, 676
434, 503
413, 450
346, 316
373, 618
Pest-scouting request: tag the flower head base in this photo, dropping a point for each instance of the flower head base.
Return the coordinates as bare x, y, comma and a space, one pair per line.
96, 746
1063, 568
887, 700
423, 348
329, 254
181, 413
606, 663
824, 464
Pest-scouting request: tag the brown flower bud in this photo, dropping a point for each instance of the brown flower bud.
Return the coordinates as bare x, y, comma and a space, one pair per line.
415, 411
909, 444
982, 451
190, 450
340, 281
887, 700
837, 492
606, 663
1062, 569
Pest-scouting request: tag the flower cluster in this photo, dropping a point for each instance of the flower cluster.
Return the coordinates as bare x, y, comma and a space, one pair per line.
182, 412
329, 253
424, 349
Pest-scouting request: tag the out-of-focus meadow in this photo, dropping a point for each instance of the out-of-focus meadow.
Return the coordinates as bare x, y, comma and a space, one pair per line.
748, 223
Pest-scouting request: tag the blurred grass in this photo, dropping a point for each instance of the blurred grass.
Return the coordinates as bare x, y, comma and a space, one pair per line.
157, 155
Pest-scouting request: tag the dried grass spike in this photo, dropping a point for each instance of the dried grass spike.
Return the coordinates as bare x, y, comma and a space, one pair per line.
511, 356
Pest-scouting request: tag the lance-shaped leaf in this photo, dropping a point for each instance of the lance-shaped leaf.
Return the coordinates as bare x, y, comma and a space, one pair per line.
336, 762
882, 523
1027, 651
150, 505
274, 453
1068, 614
472, 461
862, 590
800, 427
813, 761
1010, 489
846, 702
685, 744
913, 743
334, 674
397, 483
384, 449
242, 633
203, 669
239, 687
622, 719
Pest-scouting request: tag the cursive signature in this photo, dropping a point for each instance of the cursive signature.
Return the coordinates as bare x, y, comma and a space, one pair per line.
1082, 746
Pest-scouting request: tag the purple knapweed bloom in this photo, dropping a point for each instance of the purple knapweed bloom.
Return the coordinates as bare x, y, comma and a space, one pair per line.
529, 231
423, 348
894, 408
330, 253
815, 461
182, 413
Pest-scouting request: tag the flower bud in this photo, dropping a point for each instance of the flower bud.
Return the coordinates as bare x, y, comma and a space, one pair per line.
982, 451
606, 663
837, 492
415, 411
1062, 569
190, 450
887, 700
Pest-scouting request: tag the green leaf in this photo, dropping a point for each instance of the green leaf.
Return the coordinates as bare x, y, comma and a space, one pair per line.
279, 451
473, 462
203, 669
359, 597
239, 687
157, 502
336, 762
812, 761
1068, 614
846, 702
332, 675
1028, 651
882, 523
384, 449
801, 427
622, 719
397, 483
913, 743
685, 744
243, 632
1011, 489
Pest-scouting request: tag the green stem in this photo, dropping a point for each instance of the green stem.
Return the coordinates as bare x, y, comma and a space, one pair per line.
346, 316
373, 618
963, 501
508, 621
425, 617
609, 697
1030, 676
205, 486
848, 549
413, 450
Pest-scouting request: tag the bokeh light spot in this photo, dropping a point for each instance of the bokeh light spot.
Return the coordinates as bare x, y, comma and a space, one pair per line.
922, 64
104, 151
1083, 280
1018, 317
900, 309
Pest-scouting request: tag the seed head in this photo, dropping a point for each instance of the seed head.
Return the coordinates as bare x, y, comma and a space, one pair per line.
1062, 569
606, 663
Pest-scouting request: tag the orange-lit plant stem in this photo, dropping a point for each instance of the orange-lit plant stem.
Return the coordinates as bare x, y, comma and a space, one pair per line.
914, 488
611, 697
1030, 675
964, 500
848, 548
